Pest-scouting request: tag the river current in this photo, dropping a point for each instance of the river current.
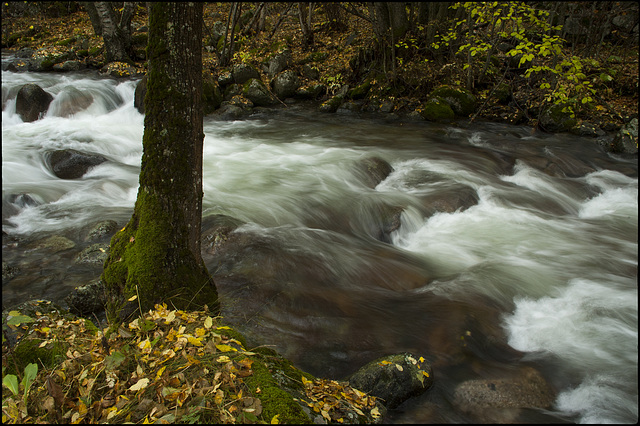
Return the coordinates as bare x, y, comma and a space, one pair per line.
539, 269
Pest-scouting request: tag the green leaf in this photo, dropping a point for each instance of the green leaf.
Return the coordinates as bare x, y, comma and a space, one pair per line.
114, 360
17, 318
11, 382
30, 373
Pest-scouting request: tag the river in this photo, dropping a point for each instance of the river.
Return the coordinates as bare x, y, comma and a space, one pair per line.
537, 265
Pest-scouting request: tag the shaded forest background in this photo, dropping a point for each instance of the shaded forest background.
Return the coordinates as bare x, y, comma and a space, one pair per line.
518, 59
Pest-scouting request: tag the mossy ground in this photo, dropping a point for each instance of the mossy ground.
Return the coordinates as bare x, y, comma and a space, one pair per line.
165, 366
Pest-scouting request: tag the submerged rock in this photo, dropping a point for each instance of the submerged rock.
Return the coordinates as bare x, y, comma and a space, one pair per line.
500, 399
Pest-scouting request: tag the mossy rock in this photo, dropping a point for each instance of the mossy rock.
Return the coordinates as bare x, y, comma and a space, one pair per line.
360, 92
29, 351
332, 104
557, 118
211, 95
461, 101
436, 109
279, 382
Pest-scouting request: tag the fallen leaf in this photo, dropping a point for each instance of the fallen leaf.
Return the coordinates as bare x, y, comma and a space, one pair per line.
140, 384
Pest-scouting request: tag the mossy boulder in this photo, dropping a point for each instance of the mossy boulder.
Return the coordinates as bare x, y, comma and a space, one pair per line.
461, 101
243, 72
332, 104
626, 139
557, 118
360, 92
258, 93
436, 109
394, 378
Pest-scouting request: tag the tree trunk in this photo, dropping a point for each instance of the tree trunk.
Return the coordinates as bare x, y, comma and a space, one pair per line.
156, 257
115, 29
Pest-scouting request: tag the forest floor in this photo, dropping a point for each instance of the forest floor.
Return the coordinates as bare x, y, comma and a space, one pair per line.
407, 85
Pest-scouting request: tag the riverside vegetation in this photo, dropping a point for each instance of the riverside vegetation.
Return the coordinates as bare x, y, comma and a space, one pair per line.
153, 368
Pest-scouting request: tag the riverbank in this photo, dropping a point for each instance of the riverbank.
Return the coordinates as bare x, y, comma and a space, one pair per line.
331, 73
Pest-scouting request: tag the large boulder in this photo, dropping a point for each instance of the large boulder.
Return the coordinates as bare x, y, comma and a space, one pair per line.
285, 84
258, 93
72, 164
279, 62
438, 110
373, 170
242, 73
461, 101
71, 101
211, 94
557, 119
394, 378
32, 101
626, 140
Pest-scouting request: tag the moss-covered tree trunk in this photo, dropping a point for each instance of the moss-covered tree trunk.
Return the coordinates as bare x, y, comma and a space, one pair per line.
157, 255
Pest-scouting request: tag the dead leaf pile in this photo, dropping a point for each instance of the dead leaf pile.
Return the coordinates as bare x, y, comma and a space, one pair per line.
167, 366
337, 402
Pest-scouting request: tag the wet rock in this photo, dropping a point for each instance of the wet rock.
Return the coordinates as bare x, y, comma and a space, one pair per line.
555, 120
257, 92
87, 299
461, 101
332, 104
32, 102
374, 170
9, 271
211, 94
53, 244
393, 378
626, 140
216, 231
437, 110
72, 164
285, 84
95, 254
500, 399
311, 91
102, 229
141, 91
71, 101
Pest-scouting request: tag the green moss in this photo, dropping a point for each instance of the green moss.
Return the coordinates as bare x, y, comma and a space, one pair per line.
275, 401
461, 101
361, 91
29, 351
211, 96
66, 42
332, 104
46, 64
94, 51
436, 109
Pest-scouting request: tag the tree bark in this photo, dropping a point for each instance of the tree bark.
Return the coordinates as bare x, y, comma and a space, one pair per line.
115, 29
156, 257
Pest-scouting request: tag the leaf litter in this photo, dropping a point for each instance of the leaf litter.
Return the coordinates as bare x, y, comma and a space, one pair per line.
168, 366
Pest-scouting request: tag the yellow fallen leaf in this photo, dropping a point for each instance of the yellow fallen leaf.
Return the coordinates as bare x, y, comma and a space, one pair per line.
170, 317
274, 420
226, 348
195, 341
399, 367
132, 298
223, 358
421, 359
208, 322
140, 384
375, 412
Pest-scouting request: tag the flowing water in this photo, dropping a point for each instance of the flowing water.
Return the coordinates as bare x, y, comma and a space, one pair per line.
513, 247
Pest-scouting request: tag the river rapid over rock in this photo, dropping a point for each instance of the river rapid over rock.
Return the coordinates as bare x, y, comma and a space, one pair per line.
502, 255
